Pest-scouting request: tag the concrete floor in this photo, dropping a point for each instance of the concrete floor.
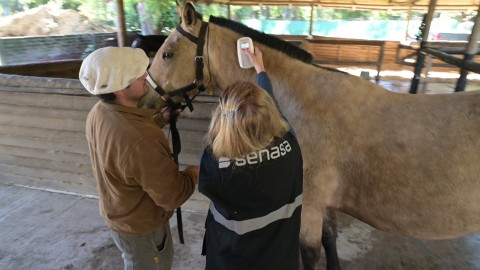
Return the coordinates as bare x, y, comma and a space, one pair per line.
435, 83
42, 230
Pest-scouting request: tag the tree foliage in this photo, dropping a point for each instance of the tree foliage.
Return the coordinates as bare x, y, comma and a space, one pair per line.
164, 14
10, 6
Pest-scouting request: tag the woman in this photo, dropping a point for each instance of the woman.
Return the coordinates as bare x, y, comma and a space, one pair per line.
252, 172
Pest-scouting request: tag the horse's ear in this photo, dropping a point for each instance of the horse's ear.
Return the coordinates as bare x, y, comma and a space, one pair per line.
189, 16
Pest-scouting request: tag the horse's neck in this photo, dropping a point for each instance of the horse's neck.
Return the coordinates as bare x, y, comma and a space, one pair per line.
225, 69
222, 62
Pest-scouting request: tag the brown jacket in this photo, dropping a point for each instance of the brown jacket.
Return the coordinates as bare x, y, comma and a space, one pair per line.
138, 183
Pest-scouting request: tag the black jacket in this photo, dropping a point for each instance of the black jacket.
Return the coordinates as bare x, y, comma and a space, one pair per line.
254, 216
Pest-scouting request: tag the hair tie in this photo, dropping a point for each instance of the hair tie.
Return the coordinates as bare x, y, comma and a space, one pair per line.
226, 112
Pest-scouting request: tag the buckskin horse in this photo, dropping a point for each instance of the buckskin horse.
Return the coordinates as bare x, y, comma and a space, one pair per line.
405, 164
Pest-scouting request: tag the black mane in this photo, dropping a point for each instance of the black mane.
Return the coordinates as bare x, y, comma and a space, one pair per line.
265, 39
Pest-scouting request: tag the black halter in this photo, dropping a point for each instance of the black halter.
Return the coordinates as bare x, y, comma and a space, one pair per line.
197, 83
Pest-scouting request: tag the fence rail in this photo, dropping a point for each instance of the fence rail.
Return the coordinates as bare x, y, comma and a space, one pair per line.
35, 49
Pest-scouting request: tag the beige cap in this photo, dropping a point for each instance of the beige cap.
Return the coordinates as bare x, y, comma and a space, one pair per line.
112, 69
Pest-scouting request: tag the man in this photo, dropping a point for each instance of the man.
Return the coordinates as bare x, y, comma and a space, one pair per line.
138, 183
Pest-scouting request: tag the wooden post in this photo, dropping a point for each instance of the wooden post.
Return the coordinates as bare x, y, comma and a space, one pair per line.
409, 18
121, 31
310, 31
470, 52
380, 62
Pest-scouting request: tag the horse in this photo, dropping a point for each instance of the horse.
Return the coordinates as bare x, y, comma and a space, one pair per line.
404, 164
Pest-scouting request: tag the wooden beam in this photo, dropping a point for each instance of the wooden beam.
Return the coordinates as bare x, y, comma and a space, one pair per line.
121, 31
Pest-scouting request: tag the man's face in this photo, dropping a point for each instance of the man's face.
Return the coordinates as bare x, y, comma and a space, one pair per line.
138, 88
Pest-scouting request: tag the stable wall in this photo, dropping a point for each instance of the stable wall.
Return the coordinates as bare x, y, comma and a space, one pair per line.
42, 135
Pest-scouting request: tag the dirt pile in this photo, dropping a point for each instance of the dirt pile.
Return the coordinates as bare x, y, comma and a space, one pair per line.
49, 20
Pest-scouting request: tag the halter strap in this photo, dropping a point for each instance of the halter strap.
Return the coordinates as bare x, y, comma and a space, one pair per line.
199, 65
191, 37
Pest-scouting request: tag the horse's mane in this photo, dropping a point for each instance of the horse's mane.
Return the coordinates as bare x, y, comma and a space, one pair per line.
267, 40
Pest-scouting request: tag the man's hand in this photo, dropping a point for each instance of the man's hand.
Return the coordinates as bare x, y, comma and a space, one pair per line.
166, 114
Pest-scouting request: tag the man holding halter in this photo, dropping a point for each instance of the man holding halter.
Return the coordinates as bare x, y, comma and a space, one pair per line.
138, 183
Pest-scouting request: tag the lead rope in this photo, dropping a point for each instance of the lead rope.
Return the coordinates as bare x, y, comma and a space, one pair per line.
176, 147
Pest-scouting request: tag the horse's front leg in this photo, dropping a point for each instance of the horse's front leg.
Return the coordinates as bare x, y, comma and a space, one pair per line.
318, 222
311, 236
329, 239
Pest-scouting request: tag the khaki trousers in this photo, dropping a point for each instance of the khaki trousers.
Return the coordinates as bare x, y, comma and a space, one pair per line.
150, 251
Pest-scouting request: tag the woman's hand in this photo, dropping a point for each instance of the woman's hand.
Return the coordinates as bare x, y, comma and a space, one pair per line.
256, 59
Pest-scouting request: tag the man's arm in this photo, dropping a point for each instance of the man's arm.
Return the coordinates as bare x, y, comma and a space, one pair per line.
152, 166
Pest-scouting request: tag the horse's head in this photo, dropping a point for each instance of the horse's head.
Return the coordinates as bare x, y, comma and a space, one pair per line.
182, 67
177, 71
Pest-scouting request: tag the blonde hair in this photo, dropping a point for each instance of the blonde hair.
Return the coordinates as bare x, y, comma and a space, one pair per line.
246, 120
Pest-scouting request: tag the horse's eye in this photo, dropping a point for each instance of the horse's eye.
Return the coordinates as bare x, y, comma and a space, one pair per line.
167, 55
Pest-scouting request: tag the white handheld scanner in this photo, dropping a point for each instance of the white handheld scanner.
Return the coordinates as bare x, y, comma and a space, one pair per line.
244, 43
